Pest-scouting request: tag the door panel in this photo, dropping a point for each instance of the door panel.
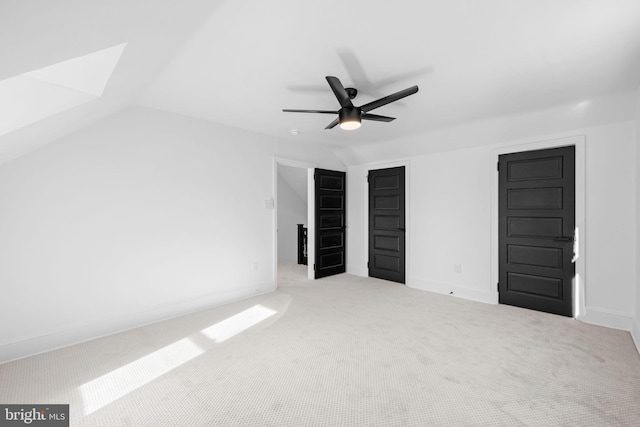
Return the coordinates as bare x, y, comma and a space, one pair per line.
535, 285
534, 256
537, 222
330, 236
534, 198
535, 227
387, 224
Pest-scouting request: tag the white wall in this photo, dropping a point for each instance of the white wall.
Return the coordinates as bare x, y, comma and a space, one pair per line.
635, 331
610, 233
450, 194
292, 210
140, 217
450, 221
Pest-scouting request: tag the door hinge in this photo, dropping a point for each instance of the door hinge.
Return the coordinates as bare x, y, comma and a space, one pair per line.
367, 264
498, 287
314, 267
498, 166
367, 178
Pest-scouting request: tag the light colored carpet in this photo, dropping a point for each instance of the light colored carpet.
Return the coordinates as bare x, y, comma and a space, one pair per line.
343, 351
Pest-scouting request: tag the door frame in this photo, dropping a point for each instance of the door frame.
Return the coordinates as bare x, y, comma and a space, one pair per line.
407, 213
311, 216
579, 142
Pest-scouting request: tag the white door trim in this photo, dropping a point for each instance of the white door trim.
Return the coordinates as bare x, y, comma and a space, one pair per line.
310, 213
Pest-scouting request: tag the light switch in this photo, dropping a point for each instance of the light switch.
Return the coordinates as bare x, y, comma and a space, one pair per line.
269, 203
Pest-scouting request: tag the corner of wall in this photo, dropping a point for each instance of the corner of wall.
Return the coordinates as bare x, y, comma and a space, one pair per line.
357, 270
635, 332
635, 327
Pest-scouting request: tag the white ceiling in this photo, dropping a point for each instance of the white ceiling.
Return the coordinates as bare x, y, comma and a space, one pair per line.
470, 58
240, 62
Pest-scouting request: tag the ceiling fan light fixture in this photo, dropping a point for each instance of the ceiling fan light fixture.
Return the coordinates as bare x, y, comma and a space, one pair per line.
350, 125
350, 118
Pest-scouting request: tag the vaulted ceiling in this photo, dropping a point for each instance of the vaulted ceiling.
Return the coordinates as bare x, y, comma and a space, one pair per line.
240, 62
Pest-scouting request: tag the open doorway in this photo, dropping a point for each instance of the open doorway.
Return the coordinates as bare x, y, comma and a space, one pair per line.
293, 185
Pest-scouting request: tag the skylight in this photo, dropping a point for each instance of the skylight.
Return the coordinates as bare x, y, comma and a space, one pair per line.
38, 94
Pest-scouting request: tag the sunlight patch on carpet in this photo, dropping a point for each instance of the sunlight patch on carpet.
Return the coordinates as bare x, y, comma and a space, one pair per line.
106, 389
240, 322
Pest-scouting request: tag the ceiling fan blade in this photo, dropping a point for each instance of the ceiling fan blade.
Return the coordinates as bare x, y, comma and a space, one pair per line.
377, 118
333, 124
355, 69
404, 76
339, 92
310, 111
388, 99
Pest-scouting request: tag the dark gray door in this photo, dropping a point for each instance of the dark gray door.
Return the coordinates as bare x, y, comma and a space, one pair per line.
387, 224
537, 223
330, 230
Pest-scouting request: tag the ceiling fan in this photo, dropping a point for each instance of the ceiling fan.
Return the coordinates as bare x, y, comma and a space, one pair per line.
350, 116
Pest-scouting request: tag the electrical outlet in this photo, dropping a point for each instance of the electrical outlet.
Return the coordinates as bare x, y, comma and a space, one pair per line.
457, 268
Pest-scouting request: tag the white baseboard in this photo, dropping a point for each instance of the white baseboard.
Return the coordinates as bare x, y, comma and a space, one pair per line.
487, 296
356, 270
87, 330
635, 331
607, 318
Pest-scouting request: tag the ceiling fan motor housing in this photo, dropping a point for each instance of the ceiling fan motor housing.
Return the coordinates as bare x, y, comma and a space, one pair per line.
353, 114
